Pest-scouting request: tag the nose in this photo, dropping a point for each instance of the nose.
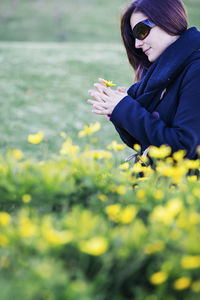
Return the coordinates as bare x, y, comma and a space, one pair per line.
138, 43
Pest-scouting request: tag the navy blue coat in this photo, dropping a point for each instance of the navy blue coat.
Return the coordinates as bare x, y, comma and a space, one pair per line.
175, 119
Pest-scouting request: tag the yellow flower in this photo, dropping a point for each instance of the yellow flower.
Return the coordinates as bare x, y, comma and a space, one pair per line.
127, 215
95, 246
194, 218
88, 130
103, 198
26, 227
155, 247
182, 283
113, 212
115, 146
192, 178
36, 138
18, 154
137, 147
101, 154
56, 238
179, 155
121, 190
158, 278
124, 166
158, 194
3, 240
140, 194
68, 148
159, 152
108, 83
4, 219
190, 262
26, 198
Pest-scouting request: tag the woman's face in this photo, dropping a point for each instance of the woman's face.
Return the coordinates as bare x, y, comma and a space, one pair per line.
157, 40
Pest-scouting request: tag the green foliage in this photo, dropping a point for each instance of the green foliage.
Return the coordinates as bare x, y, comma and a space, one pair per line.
80, 226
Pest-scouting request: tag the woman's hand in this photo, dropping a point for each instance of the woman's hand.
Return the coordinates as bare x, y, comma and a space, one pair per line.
105, 98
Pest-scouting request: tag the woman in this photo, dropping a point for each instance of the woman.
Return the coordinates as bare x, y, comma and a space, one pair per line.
163, 106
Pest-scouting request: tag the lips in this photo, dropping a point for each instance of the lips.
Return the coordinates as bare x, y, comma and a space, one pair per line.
146, 51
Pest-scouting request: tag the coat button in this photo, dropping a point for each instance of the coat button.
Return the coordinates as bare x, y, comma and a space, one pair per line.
156, 115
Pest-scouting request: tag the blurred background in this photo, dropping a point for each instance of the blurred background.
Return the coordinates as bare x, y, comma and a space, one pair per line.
51, 53
68, 21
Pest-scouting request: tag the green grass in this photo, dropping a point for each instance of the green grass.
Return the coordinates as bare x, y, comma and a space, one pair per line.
44, 87
44, 84
65, 20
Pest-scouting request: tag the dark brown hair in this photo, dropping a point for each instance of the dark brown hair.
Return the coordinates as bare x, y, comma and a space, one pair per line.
170, 15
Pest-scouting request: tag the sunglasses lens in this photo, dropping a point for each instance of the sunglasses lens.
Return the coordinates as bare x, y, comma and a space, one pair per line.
140, 31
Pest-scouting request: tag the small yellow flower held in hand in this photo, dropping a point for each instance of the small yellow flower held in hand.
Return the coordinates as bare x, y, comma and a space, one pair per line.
108, 83
36, 138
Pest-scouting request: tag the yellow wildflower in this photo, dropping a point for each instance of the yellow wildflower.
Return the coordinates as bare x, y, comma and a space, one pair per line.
17, 153
36, 138
155, 247
89, 130
4, 219
101, 154
191, 164
103, 198
3, 240
26, 198
56, 238
115, 146
158, 278
113, 212
127, 215
192, 178
26, 227
137, 147
68, 148
182, 283
179, 155
95, 246
158, 194
108, 83
194, 218
124, 166
121, 190
140, 194
190, 261
159, 152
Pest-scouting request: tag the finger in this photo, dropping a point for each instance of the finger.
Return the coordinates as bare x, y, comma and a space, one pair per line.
121, 89
100, 112
95, 95
97, 104
102, 81
102, 89
100, 106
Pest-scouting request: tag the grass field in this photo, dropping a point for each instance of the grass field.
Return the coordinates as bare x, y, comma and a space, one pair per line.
44, 87
44, 84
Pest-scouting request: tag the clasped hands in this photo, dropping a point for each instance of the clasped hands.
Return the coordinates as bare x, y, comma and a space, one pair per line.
105, 98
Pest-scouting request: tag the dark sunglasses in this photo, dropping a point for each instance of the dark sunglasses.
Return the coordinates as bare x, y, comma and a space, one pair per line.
141, 30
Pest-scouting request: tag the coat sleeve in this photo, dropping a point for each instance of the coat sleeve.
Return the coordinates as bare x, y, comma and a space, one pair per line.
184, 133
